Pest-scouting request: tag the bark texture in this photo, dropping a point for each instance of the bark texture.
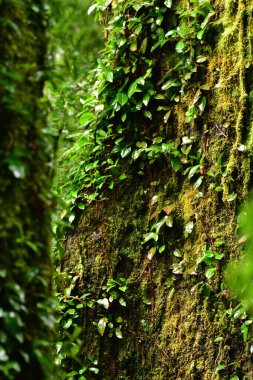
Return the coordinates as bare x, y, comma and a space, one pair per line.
172, 321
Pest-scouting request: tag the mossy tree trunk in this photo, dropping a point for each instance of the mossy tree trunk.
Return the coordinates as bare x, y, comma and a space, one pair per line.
179, 321
26, 319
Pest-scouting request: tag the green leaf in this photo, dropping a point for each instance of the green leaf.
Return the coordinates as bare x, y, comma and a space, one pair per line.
146, 99
202, 103
104, 302
198, 182
133, 44
122, 98
147, 300
111, 185
132, 89
149, 236
218, 339
33, 246
70, 311
94, 370
169, 84
83, 142
166, 117
17, 167
122, 176
242, 148
111, 283
168, 3
125, 151
148, 114
189, 227
177, 253
218, 189
193, 170
176, 164
82, 370
200, 34
72, 218
160, 97
201, 58
238, 313
219, 256
220, 367
122, 301
245, 330
218, 243
159, 20
118, 333
138, 29
180, 46
72, 373
102, 325
114, 295
66, 324
144, 45
109, 76
123, 288
231, 197
86, 117
3, 355
161, 249
205, 87
209, 273
121, 41
169, 220
141, 144
92, 8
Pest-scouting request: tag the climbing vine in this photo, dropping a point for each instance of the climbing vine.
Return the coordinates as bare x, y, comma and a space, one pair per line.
151, 110
130, 117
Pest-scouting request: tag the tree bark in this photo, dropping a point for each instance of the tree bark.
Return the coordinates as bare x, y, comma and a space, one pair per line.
178, 322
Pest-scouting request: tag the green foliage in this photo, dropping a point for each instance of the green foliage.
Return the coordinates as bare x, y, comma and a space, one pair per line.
113, 292
211, 257
127, 118
71, 309
74, 42
26, 310
69, 345
130, 123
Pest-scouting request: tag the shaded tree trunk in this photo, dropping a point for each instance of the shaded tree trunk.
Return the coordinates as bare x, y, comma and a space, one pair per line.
26, 320
179, 322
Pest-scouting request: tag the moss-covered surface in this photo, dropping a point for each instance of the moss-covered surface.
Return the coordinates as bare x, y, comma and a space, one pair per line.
174, 313
25, 313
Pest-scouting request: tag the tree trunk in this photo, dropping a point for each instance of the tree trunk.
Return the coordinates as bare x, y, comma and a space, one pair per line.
26, 319
180, 321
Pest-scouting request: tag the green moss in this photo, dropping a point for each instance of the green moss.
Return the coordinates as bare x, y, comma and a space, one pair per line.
173, 335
